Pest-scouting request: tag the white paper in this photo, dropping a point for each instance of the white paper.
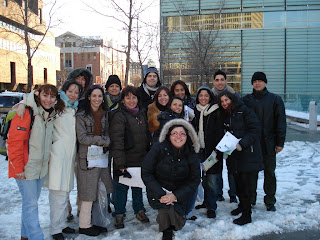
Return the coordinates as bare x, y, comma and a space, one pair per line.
135, 181
228, 143
96, 157
210, 161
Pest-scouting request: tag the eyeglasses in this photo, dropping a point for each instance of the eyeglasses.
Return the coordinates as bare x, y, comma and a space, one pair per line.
96, 86
176, 134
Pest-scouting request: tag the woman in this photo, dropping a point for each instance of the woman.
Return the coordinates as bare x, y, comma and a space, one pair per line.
210, 132
180, 89
29, 152
159, 105
113, 88
246, 161
171, 173
92, 129
128, 117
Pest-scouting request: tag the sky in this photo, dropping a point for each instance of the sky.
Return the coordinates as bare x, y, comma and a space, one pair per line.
298, 205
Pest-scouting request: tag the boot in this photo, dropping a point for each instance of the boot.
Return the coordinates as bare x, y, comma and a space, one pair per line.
101, 229
24, 238
270, 207
91, 231
68, 230
244, 219
58, 236
167, 234
142, 217
118, 221
236, 211
233, 199
203, 205
211, 213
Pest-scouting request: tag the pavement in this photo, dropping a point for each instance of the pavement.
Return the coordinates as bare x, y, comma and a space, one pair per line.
296, 133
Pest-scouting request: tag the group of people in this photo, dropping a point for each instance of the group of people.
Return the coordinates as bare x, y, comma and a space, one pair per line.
165, 132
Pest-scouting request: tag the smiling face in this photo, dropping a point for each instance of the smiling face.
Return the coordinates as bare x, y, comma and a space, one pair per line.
47, 100
204, 97
81, 80
219, 82
178, 137
73, 92
96, 98
179, 91
176, 106
130, 101
258, 85
225, 102
163, 98
114, 89
152, 79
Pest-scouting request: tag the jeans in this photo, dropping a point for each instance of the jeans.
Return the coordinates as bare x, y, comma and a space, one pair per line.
190, 202
119, 196
211, 185
30, 192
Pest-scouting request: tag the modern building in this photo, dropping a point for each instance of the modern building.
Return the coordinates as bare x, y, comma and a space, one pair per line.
13, 47
278, 37
97, 54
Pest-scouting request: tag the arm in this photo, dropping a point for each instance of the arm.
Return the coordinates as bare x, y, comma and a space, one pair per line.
281, 125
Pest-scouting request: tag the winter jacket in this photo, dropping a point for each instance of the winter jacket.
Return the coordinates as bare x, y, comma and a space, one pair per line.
139, 128
63, 152
87, 178
179, 174
270, 110
30, 153
244, 125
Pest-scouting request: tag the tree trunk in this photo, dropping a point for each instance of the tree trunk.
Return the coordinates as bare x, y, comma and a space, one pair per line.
129, 46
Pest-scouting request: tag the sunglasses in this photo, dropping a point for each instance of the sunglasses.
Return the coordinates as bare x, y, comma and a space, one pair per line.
96, 86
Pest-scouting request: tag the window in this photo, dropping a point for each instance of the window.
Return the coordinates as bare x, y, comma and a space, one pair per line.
89, 67
68, 62
40, 15
61, 44
68, 44
94, 56
88, 56
74, 44
45, 75
82, 56
5, 3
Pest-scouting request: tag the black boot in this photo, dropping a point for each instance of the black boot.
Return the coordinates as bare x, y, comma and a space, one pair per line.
203, 205
236, 211
58, 236
91, 231
244, 219
167, 234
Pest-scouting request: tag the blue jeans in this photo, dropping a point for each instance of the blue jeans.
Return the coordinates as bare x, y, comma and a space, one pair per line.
119, 196
190, 202
30, 191
211, 185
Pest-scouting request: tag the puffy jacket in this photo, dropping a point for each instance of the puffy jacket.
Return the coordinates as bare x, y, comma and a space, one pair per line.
270, 110
139, 127
31, 156
177, 173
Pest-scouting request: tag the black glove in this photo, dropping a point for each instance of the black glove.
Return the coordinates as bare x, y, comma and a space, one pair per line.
125, 173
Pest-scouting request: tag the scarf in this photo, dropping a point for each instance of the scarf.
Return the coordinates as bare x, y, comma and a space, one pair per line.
149, 90
97, 117
204, 111
112, 101
67, 101
216, 92
161, 107
134, 111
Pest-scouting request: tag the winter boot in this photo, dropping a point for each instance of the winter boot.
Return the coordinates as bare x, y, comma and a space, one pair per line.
101, 229
68, 230
220, 198
58, 236
270, 207
211, 213
118, 221
167, 234
244, 219
24, 238
142, 217
236, 211
233, 199
91, 231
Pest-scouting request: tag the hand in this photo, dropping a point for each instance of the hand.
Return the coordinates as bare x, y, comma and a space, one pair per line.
238, 146
168, 199
21, 176
278, 149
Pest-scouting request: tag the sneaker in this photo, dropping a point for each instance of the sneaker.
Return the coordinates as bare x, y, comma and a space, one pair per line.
233, 200
203, 205
236, 211
142, 217
193, 218
101, 229
220, 198
244, 219
271, 207
91, 231
58, 236
211, 213
68, 230
118, 221
167, 234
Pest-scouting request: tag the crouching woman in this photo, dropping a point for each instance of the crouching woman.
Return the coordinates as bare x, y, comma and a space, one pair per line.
171, 173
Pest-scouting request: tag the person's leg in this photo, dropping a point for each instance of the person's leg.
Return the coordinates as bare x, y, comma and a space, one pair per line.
137, 200
30, 191
191, 201
58, 208
232, 187
253, 187
85, 214
213, 188
270, 181
119, 196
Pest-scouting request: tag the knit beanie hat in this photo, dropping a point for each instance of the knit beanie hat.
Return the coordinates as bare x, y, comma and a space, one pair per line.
113, 79
259, 76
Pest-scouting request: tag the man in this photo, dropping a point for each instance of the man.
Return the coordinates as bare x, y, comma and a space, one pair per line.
220, 84
149, 86
270, 110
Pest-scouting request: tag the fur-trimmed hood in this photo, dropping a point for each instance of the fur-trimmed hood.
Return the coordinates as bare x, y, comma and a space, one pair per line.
191, 132
88, 76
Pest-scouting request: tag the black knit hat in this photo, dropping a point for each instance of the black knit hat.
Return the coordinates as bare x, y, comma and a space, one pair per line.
113, 79
259, 76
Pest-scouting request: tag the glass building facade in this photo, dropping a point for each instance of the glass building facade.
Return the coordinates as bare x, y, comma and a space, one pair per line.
280, 38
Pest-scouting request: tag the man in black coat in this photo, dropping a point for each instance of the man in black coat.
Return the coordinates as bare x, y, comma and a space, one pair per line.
270, 110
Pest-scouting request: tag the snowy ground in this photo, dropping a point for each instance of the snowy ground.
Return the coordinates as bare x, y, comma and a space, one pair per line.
297, 205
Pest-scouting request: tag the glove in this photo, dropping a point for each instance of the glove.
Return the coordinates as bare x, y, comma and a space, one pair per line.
125, 173
238, 146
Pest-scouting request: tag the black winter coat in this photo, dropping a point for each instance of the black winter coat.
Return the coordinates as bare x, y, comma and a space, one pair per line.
213, 132
244, 124
180, 175
139, 127
270, 110
144, 98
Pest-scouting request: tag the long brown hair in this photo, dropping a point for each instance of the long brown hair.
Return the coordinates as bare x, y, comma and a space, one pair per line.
51, 90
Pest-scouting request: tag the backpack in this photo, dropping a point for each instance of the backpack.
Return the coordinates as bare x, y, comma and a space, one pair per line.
6, 124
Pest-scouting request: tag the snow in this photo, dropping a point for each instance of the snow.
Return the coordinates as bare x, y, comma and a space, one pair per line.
297, 205
298, 114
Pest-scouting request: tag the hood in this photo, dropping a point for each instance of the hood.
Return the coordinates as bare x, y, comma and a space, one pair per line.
89, 77
191, 132
205, 87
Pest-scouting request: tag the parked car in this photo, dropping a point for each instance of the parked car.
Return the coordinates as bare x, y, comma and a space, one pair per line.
7, 101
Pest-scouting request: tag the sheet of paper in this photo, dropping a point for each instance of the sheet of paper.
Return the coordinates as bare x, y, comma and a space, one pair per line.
135, 181
96, 157
228, 143
210, 161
